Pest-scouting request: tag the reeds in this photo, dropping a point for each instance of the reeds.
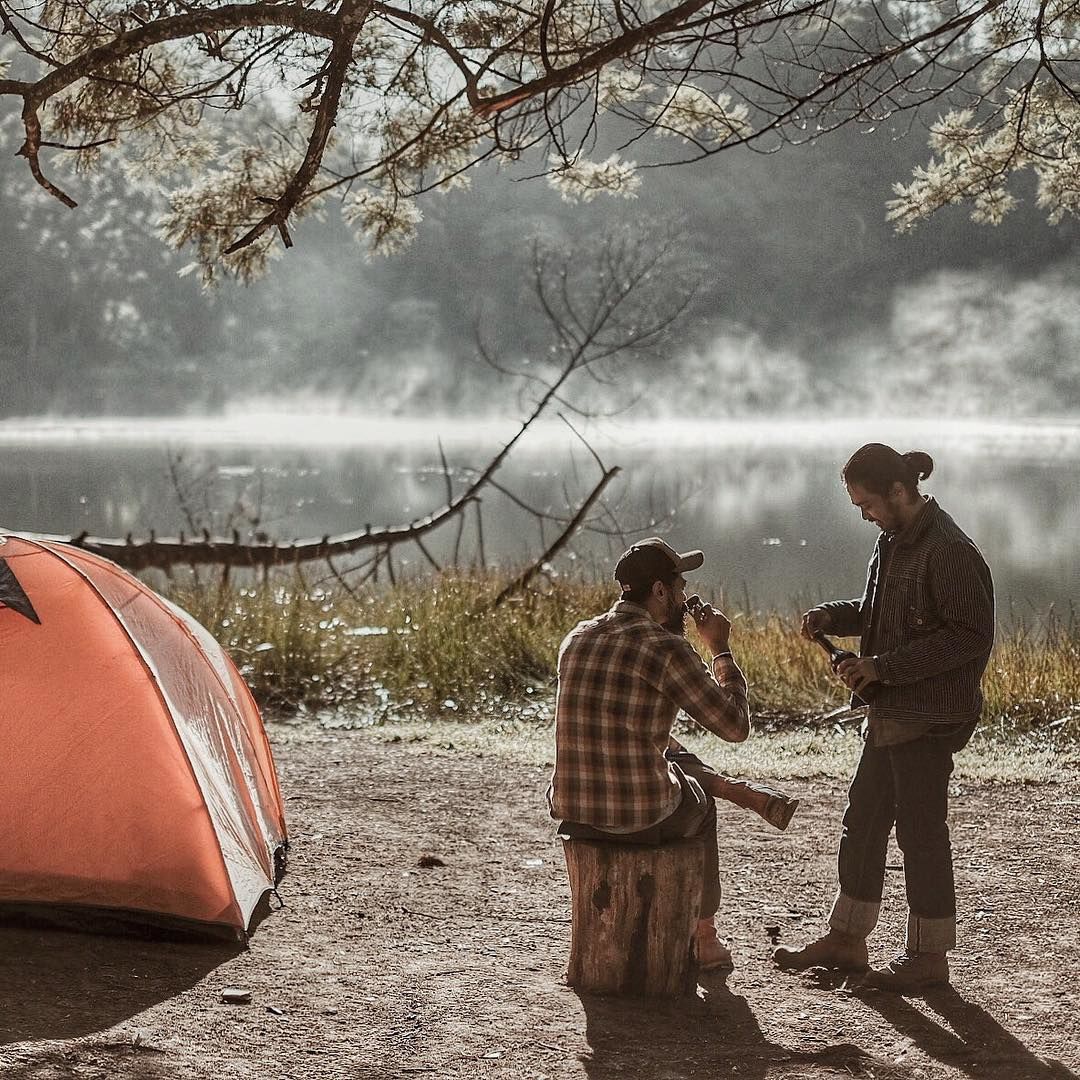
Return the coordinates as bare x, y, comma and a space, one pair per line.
416, 643
437, 645
1032, 684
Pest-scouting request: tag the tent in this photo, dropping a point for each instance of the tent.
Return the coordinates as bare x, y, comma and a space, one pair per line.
136, 778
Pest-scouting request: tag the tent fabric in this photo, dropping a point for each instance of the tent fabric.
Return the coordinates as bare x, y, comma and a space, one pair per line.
136, 773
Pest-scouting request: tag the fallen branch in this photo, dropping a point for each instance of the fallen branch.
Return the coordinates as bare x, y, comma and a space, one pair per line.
230, 551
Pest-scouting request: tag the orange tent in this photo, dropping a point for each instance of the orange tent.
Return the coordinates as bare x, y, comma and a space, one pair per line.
136, 774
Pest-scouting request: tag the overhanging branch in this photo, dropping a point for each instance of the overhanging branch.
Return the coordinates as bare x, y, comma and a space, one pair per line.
351, 23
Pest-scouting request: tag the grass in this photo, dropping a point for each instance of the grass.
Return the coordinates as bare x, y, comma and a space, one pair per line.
792, 757
421, 642
435, 648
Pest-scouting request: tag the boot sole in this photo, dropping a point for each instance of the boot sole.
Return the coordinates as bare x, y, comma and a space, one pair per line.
780, 811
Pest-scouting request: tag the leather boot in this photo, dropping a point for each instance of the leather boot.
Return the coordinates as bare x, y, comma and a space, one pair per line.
910, 973
842, 952
713, 954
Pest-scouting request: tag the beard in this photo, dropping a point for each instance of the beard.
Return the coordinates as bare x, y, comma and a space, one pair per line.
676, 620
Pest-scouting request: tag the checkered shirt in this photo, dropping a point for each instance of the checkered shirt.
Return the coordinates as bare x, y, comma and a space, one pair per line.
622, 680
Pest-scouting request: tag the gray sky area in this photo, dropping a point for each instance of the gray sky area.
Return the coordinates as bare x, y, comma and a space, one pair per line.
805, 296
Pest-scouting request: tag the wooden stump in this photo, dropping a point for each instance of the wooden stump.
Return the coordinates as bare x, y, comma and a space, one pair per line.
635, 910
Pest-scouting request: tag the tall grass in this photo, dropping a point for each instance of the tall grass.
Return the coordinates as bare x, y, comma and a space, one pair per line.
1032, 683
437, 644
420, 642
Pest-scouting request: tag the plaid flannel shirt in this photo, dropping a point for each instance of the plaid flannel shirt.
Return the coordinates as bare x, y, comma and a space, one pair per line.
622, 680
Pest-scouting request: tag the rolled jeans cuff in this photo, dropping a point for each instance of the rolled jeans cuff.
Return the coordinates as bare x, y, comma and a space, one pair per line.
930, 935
855, 917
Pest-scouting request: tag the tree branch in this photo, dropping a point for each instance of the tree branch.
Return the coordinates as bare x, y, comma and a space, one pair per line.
351, 23
561, 541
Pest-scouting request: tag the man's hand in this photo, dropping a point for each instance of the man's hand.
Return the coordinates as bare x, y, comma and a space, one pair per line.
814, 622
858, 673
712, 624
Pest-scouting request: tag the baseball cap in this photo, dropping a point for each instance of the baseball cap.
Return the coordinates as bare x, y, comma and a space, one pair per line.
652, 560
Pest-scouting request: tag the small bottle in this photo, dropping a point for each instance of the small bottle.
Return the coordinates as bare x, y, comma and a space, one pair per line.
836, 656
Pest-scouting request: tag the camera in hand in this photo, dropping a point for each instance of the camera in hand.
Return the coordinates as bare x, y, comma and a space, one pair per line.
836, 656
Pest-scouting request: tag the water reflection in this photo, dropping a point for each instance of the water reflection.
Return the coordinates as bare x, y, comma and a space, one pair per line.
764, 501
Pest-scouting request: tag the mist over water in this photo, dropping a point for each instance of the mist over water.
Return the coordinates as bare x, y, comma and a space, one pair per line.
762, 498
973, 343
329, 383
955, 344
319, 425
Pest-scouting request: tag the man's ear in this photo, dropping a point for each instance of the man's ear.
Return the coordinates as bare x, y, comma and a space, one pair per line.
898, 491
658, 590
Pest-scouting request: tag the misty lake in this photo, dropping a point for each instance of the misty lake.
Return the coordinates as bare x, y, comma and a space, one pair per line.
762, 498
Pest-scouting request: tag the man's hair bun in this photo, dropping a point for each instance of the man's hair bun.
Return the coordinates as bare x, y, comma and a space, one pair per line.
921, 464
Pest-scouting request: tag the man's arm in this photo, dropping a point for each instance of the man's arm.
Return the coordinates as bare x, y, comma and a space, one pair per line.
963, 597
717, 701
842, 617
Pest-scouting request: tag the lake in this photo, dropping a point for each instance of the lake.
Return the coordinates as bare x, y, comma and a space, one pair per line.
763, 499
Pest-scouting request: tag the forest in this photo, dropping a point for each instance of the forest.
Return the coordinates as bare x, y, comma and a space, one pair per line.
804, 297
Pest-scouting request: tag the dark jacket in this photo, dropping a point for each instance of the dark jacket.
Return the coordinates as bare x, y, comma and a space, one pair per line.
929, 624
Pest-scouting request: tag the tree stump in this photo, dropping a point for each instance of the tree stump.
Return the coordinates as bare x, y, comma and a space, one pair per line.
635, 910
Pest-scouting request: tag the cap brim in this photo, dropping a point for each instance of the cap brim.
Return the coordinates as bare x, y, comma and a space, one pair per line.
689, 560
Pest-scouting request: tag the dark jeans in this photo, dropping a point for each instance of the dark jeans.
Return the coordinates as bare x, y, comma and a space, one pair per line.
695, 816
906, 785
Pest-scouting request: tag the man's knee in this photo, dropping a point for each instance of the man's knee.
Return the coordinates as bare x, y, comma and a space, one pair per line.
916, 834
866, 825
695, 814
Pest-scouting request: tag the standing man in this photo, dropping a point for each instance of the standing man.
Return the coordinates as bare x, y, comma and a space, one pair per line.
623, 677
926, 623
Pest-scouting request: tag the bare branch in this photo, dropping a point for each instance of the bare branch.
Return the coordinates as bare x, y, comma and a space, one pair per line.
29, 150
561, 541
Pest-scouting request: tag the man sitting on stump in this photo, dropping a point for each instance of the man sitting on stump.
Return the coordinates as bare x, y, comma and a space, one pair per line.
623, 677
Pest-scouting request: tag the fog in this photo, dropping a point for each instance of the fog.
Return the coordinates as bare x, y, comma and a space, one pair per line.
763, 498
807, 302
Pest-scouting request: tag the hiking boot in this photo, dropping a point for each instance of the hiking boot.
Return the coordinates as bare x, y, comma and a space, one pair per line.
712, 954
910, 973
842, 952
779, 811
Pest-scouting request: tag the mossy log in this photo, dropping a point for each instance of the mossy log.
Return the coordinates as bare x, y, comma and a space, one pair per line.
635, 910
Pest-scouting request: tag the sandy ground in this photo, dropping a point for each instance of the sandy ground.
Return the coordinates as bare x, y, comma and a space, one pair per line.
380, 967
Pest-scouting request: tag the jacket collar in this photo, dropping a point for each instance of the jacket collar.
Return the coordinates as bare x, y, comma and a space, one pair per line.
917, 529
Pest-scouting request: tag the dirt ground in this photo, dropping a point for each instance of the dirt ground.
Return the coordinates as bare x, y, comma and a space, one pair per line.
379, 967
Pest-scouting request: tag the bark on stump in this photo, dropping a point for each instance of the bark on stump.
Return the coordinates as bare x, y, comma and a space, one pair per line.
635, 910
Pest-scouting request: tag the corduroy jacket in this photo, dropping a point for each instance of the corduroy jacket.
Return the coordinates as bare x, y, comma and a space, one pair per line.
928, 624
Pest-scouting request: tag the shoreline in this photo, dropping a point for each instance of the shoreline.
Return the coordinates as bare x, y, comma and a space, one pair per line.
283, 428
